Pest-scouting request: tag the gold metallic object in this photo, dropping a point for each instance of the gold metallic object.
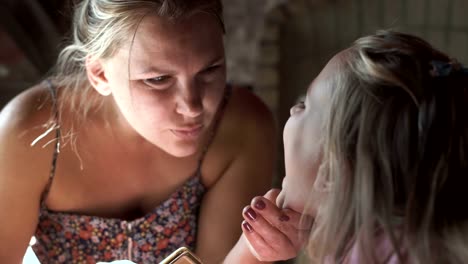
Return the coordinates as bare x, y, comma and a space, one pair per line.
182, 256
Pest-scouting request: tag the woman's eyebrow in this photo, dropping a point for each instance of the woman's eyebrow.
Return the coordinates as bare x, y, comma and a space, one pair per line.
151, 70
217, 60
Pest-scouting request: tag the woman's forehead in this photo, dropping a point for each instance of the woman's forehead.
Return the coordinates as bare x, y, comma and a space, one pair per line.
161, 41
198, 23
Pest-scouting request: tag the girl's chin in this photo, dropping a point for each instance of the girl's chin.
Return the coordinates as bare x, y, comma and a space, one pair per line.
280, 199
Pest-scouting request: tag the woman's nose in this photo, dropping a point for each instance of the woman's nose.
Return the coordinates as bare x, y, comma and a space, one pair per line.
190, 102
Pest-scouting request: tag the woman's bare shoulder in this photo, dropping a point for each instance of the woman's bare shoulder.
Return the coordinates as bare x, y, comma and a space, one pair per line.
24, 168
22, 121
31, 107
248, 114
247, 127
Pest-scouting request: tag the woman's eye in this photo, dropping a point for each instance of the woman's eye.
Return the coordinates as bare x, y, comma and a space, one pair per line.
210, 73
212, 69
156, 81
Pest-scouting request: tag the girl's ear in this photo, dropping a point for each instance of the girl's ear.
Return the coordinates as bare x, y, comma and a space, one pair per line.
97, 77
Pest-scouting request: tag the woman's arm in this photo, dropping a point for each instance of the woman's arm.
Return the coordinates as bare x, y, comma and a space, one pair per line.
248, 128
242, 253
22, 177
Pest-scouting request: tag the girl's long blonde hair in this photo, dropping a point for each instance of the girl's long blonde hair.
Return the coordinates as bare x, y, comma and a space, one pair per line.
396, 153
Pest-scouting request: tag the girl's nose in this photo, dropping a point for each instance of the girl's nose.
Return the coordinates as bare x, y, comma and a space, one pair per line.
294, 109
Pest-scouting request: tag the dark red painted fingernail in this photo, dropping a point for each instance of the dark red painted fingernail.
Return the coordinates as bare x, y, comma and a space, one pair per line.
260, 205
250, 213
247, 226
284, 218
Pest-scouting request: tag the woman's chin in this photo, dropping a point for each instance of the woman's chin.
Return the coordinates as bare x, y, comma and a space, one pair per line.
182, 149
182, 152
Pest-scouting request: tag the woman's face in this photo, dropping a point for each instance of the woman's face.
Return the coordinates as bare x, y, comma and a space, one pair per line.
169, 82
303, 144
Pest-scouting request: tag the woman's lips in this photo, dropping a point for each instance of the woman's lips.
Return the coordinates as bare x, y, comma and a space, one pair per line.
190, 133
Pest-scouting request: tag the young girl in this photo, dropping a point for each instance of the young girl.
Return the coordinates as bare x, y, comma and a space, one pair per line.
135, 146
379, 149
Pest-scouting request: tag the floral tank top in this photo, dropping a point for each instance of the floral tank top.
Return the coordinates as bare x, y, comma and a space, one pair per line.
73, 238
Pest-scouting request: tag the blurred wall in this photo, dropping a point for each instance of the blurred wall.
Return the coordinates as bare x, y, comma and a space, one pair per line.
30, 32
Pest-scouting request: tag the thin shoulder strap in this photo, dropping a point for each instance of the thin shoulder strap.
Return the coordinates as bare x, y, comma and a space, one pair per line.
56, 126
217, 120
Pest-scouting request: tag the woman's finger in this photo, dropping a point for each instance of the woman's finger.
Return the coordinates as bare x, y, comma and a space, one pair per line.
272, 194
261, 249
270, 234
284, 220
257, 245
292, 224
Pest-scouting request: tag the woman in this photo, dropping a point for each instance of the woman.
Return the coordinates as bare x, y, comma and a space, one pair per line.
135, 146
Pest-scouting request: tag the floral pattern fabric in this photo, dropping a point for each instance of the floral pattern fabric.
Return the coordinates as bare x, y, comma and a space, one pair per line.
74, 238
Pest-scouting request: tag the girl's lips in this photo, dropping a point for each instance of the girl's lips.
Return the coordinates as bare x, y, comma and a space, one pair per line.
188, 133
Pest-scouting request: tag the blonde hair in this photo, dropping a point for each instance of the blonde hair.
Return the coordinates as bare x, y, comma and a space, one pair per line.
100, 27
396, 153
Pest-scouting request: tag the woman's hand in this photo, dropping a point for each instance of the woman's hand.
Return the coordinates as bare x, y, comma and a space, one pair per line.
273, 233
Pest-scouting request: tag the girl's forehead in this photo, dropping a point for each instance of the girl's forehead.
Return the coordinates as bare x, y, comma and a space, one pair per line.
320, 89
